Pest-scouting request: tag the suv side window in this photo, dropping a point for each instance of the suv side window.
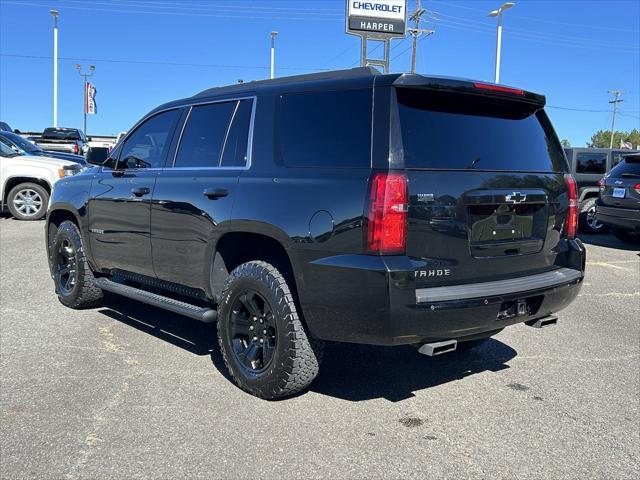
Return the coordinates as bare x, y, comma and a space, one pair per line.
587, 162
147, 146
326, 129
204, 135
235, 147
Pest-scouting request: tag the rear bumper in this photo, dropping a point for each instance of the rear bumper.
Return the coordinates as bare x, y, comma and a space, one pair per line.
616, 217
374, 300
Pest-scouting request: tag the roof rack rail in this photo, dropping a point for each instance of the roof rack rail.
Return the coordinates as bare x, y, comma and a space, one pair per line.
357, 72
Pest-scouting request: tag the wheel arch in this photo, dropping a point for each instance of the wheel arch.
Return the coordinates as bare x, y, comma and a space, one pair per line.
11, 182
238, 246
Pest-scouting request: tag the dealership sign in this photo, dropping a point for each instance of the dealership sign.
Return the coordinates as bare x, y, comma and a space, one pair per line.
377, 18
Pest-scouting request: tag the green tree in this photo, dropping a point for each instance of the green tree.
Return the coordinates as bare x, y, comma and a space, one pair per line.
634, 137
602, 138
565, 143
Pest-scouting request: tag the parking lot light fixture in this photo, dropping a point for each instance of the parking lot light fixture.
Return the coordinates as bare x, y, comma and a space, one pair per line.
498, 13
273, 52
54, 14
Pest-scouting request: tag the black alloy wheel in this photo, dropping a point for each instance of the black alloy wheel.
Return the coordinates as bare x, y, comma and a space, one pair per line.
66, 267
253, 331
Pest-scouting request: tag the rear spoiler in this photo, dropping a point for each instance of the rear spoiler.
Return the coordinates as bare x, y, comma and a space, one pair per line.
469, 87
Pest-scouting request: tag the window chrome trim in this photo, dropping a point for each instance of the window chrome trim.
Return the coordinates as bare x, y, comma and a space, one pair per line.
226, 135
249, 154
184, 125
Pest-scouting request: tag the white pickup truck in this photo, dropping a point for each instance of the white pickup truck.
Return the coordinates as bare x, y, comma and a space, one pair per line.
26, 182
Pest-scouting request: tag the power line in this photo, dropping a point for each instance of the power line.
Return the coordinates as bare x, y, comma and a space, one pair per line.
542, 20
148, 62
184, 14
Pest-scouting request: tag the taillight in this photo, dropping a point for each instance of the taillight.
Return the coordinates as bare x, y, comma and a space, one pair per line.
498, 88
75, 148
387, 225
601, 184
572, 212
636, 187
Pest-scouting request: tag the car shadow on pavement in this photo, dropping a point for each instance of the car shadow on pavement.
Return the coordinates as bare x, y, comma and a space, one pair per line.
363, 372
609, 240
349, 371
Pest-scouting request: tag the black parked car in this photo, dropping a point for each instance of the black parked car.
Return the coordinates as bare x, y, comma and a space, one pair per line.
343, 206
588, 166
618, 206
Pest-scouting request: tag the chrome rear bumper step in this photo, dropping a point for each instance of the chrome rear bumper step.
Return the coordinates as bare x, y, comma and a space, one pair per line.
206, 315
555, 278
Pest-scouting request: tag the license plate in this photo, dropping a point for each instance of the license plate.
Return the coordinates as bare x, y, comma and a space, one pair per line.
619, 192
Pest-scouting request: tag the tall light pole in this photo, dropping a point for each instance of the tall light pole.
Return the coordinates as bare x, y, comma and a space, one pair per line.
55, 14
273, 52
85, 90
498, 13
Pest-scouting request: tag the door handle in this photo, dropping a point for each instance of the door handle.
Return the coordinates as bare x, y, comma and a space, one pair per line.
215, 193
140, 191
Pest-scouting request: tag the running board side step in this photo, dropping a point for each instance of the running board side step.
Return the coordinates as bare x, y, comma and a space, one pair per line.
438, 348
543, 322
206, 315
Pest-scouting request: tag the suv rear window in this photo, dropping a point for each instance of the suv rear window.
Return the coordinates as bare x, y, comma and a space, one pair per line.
629, 167
587, 162
454, 132
326, 129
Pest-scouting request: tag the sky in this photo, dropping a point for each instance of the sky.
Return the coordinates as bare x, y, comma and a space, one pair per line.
147, 52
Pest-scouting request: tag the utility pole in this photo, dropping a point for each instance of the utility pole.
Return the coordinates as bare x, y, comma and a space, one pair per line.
416, 31
85, 91
55, 14
616, 100
273, 53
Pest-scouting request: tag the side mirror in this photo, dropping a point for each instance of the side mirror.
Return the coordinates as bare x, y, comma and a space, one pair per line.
100, 156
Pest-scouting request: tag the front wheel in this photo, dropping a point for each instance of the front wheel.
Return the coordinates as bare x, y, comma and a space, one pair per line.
262, 339
73, 278
28, 201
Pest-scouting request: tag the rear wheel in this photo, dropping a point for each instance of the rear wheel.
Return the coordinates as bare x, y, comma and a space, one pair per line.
588, 221
262, 339
74, 280
28, 201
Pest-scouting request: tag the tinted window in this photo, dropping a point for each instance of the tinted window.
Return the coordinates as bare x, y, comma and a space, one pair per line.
235, 148
203, 136
21, 142
61, 133
146, 147
453, 131
329, 129
626, 167
591, 162
616, 157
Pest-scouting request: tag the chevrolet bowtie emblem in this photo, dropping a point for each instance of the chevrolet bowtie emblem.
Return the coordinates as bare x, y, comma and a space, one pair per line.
515, 197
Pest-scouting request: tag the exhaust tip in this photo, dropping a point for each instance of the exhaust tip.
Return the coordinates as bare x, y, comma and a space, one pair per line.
543, 322
438, 348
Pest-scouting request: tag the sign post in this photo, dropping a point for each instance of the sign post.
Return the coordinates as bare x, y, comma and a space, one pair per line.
380, 20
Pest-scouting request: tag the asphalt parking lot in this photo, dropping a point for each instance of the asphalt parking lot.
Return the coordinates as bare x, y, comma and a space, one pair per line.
128, 391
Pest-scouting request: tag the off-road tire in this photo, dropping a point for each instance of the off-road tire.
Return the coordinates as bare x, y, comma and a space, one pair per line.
39, 192
588, 221
84, 293
295, 360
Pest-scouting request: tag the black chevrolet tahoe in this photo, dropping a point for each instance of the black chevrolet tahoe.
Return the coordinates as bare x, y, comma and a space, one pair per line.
350, 206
